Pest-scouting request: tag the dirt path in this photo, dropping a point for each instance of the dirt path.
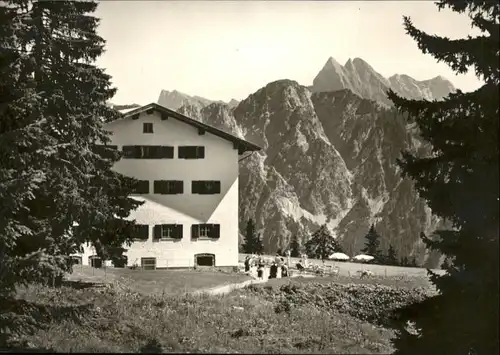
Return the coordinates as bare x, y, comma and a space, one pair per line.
225, 289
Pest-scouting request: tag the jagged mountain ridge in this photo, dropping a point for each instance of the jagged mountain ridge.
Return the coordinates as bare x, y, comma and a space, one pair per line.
360, 78
175, 99
328, 157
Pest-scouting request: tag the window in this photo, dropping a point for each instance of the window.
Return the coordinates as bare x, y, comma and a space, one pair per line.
168, 187
148, 263
147, 127
191, 152
167, 231
141, 232
142, 187
148, 152
204, 259
205, 187
211, 231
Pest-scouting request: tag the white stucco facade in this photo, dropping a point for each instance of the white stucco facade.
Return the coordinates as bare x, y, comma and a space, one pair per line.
220, 163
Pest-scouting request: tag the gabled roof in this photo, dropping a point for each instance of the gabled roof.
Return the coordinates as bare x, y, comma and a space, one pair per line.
241, 144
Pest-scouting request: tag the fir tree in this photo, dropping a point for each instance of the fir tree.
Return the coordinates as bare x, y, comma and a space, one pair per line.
322, 244
372, 244
404, 261
392, 258
52, 108
250, 245
459, 180
295, 247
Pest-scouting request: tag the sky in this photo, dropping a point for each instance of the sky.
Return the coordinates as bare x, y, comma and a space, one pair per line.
229, 49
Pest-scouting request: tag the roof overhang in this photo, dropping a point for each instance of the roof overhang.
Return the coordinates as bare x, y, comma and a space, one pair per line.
238, 143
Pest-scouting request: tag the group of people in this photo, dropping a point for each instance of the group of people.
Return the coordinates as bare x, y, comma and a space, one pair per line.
260, 263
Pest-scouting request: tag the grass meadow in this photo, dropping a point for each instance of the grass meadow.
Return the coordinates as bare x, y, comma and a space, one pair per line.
121, 310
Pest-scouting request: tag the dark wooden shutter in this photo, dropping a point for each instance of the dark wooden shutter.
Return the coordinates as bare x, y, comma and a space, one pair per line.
200, 152
137, 152
174, 232
177, 231
154, 152
215, 231
179, 187
216, 187
195, 231
160, 187
166, 152
195, 187
157, 231
181, 152
144, 231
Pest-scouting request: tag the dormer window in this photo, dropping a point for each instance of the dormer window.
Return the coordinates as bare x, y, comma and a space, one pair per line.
147, 127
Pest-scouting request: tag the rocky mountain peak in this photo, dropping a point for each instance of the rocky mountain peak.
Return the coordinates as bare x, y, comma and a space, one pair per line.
362, 79
233, 103
257, 113
331, 62
175, 99
360, 63
331, 77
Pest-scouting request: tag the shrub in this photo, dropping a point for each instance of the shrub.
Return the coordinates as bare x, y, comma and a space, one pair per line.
372, 303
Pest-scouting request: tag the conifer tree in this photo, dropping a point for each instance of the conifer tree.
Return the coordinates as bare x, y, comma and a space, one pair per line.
295, 246
372, 245
460, 182
250, 246
392, 258
52, 108
322, 244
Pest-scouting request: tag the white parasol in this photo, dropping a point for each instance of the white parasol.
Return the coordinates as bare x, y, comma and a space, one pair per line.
363, 257
339, 256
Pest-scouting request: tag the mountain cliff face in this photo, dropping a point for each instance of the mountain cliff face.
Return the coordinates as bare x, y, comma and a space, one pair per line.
328, 157
360, 78
176, 99
329, 154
